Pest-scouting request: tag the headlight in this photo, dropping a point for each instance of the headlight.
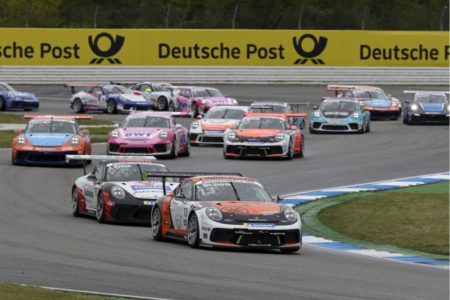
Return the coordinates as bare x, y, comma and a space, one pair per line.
448, 107
115, 134
290, 215
21, 140
395, 103
118, 192
414, 107
231, 136
122, 98
204, 101
233, 101
164, 134
75, 141
355, 115
279, 137
317, 114
214, 214
195, 125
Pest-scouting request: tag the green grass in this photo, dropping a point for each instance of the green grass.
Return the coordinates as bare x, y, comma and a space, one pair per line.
416, 218
6, 118
10, 291
98, 135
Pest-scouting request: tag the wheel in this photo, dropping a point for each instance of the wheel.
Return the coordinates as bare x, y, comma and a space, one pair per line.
311, 130
300, 154
290, 153
78, 106
187, 152
75, 203
156, 224
13, 161
193, 232
290, 250
100, 213
194, 109
368, 127
363, 129
171, 106
2, 104
161, 103
111, 107
174, 150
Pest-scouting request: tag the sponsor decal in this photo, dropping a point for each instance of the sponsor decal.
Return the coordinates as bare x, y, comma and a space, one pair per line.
259, 225
319, 46
138, 134
88, 193
114, 47
149, 202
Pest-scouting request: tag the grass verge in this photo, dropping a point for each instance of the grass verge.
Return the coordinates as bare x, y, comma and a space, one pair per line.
7, 118
413, 220
98, 135
10, 291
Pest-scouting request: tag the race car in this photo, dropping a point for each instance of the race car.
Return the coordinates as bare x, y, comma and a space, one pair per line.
110, 98
380, 105
210, 129
47, 139
162, 94
227, 211
279, 107
339, 115
198, 100
10, 99
265, 135
427, 107
150, 133
118, 188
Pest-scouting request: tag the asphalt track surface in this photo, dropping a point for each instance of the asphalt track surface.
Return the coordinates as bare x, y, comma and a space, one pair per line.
42, 243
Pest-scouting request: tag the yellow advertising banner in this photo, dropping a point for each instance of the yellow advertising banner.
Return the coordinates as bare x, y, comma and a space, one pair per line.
172, 47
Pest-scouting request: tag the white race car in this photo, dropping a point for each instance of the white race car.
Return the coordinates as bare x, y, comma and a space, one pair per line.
162, 94
225, 211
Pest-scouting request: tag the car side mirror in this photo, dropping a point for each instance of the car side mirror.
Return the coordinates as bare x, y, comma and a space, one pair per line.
293, 127
85, 132
18, 130
277, 199
91, 177
315, 107
199, 117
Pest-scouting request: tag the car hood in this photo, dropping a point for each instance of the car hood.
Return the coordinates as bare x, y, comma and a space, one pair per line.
432, 107
48, 139
139, 133
218, 124
382, 103
257, 132
147, 189
23, 95
219, 100
247, 207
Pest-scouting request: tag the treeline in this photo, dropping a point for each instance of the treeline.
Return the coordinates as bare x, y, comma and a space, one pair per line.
239, 14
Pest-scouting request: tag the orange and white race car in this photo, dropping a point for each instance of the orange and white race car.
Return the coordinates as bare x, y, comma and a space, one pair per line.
47, 139
265, 135
225, 211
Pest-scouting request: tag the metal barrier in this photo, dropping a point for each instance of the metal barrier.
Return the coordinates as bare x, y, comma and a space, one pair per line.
226, 75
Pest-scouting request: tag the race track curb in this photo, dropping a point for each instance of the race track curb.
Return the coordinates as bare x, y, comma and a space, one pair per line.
310, 240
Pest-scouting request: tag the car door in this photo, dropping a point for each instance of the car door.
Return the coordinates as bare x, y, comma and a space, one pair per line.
180, 132
179, 206
92, 186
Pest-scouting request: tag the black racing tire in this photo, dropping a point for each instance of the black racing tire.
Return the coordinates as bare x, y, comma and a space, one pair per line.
78, 106
161, 103
13, 161
301, 153
193, 231
75, 203
100, 212
290, 153
289, 250
186, 152
171, 106
194, 110
156, 224
2, 104
111, 107
368, 127
174, 150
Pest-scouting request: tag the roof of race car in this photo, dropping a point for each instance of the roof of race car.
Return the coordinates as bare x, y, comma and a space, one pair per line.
340, 99
196, 88
222, 178
240, 107
269, 102
353, 87
128, 162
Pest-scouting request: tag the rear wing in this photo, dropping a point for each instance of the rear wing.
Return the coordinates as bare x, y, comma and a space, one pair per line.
59, 117
164, 113
121, 158
182, 175
73, 85
282, 115
336, 87
431, 92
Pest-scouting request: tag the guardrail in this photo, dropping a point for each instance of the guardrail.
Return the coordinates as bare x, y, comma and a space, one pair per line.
227, 75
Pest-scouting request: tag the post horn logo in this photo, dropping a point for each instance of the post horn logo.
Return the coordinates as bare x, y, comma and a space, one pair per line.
114, 48
319, 46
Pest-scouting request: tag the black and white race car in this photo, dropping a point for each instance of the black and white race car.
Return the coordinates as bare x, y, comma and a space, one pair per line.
118, 188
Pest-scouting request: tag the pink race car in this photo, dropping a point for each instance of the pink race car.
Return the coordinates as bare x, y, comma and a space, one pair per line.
150, 133
198, 100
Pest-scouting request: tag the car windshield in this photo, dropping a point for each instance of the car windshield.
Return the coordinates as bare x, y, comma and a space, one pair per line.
263, 123
230, 190
224, 113
201, 94
377, 94
269, 108
4, 87
149, 121
133, 172
333, 106
431, 98
116, 89
51, 126
214, 93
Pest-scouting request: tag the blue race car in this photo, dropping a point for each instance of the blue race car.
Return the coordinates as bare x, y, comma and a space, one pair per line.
10, 99
339, 115
427, 107
110, 98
